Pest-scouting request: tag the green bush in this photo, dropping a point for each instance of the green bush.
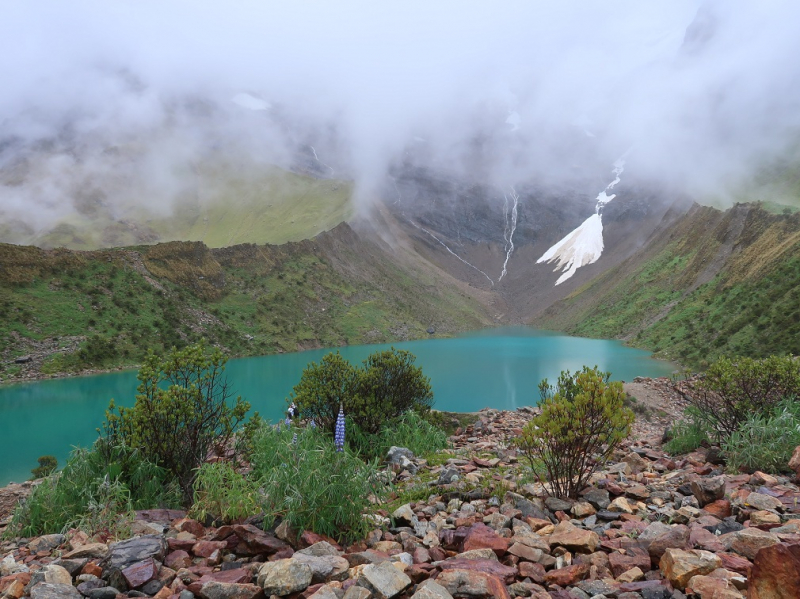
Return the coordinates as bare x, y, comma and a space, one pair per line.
95, 491
765, 441
689, 433
583, 420
385, 387
222, 492
181, 412
47, 465
408, 430
734, 389
311, 485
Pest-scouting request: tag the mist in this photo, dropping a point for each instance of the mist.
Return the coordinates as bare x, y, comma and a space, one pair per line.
122, 104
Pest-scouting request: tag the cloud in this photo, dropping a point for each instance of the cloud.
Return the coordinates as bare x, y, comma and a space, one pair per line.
123, 100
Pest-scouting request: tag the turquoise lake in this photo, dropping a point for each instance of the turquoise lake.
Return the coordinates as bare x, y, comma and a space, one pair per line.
498, 368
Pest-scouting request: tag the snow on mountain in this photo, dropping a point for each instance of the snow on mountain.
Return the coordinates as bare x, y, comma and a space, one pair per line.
583, 245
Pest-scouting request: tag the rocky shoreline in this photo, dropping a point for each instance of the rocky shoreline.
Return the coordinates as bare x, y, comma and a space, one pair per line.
650, 526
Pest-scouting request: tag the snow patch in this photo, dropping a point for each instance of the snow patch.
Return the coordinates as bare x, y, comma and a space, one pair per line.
583, 245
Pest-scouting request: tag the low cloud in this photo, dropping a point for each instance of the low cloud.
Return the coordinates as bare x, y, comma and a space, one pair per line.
120, 104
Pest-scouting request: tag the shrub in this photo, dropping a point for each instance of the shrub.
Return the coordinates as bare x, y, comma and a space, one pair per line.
765, 441
408, 430
47, 465
323, 387
582, 421
689, 433
387, 386
181, 411
222, 492
311, 485
95, 491
734, 389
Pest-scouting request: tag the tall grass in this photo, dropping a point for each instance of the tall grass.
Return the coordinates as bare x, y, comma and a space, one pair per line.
765, 441
97, 491
311, 486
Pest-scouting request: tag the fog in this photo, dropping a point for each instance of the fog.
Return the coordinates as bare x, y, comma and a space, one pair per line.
121, 103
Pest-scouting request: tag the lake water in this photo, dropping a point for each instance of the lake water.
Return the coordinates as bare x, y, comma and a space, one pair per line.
498, 368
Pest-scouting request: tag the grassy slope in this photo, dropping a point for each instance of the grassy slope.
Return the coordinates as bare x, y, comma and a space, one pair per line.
227, 207
715, 283
78, 310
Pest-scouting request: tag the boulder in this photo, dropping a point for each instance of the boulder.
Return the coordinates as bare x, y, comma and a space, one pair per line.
480, 536
284, 576
123, 554
324, 568
255, 541
138, 574
571, 537
430, 589
384, 580
677, 537
794, 461
50, 590
472, 584
748, 541
568, 575
680, 566
760, 501
708, 490
46, 543
229, 590
775, 573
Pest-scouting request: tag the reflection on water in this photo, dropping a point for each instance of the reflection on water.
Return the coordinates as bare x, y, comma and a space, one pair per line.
498, 368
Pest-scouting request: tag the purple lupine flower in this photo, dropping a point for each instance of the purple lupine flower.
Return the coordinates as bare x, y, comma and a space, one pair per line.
338, 438
287, 422
313, 424
294, 439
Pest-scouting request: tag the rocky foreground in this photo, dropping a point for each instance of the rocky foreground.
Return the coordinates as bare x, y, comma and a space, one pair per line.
650, 526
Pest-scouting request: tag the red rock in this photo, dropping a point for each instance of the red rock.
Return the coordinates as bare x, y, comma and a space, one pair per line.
217, 590
704, 539
468, 583
190, 526
721, 508
633, 558
237, 575
141, 572
177, 560
437, 554
775, 573
676, 538
735, 563
421, 555
221, 534
93, 569
794, 461
488, 566
480, 536
309, 538
181, 544
532, 570
568, 575
207, 548
22, 578
417, 573
255, 541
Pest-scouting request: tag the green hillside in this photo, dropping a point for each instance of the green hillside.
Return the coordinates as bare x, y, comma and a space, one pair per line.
714, 283
224, 206
72, 310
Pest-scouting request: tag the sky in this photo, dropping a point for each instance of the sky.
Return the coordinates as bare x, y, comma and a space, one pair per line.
124, 99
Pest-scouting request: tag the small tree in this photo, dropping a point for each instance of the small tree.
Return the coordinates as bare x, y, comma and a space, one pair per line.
582, 421
323, 387
181, 411
47, 465
387, 386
